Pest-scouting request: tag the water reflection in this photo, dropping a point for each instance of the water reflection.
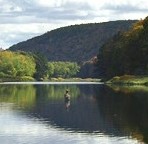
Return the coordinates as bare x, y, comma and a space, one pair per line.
22, 95
126, 109
94, 109
67, 99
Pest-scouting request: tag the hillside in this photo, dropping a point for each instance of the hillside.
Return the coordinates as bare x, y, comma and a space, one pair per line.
126, 53
73, 43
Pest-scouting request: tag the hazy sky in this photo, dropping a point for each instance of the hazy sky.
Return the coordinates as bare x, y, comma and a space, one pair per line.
24, 19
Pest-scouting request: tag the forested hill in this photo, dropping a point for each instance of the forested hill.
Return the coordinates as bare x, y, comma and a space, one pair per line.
125, 53
73, 43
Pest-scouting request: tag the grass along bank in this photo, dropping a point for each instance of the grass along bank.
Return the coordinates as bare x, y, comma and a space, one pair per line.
59, 79
74, 80
129, 80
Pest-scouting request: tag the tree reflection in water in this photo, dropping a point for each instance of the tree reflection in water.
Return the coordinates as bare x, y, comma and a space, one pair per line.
115, 111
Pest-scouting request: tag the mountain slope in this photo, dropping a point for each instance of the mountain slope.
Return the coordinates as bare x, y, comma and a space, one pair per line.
73, 43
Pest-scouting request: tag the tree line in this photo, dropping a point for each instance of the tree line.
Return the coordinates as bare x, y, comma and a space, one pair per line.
16, 64
63, 69
125, 53
29, 66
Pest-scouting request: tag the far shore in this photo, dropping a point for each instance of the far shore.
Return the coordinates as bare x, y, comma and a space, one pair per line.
51, 80
125, 80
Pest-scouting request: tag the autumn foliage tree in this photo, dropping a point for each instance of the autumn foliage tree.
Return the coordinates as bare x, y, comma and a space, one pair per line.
126, 53
16, 64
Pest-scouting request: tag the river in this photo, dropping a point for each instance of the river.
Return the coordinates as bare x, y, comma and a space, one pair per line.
36, 113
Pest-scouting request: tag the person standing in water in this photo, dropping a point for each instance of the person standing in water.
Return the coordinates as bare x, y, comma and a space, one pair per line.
67, 99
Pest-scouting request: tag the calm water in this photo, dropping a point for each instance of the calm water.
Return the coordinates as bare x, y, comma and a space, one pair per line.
37, 114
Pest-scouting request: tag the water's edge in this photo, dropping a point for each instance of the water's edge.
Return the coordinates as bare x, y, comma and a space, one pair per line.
51, 83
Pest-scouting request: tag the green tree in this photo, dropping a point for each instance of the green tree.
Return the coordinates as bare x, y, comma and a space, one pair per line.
63, 69
41, 66
50, 69
16, 64
126, 53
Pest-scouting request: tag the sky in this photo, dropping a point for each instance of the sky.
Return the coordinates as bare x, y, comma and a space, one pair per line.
23, 19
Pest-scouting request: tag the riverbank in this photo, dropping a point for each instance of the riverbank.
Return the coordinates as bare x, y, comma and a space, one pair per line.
128, 80
16, 79
75, 80
30, 79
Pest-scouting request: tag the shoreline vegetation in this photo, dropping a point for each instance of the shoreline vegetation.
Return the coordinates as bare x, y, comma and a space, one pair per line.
128, 80
75, 80
128, 84
59, 79
121, 81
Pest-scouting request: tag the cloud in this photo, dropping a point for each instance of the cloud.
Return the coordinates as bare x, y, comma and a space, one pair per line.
124, 8
14, 33
23, 19
25, 12
51, 11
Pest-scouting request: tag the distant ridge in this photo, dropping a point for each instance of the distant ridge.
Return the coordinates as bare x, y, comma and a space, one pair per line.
76, 43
